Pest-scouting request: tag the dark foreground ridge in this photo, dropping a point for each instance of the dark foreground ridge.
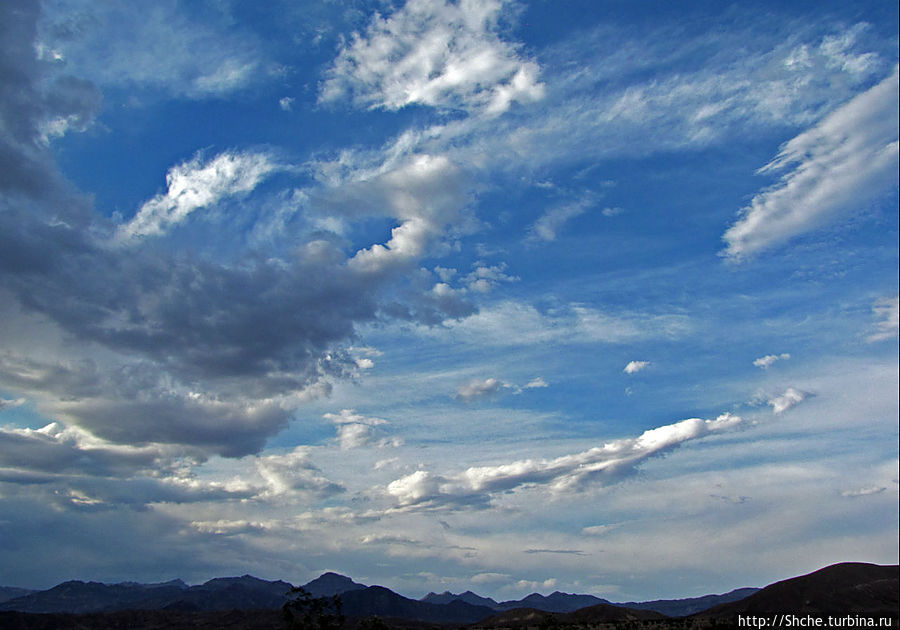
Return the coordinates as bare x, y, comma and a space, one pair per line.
867, 592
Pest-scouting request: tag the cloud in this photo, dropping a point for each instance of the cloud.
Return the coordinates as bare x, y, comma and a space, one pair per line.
160, 48
294, 473
864, 492
10, 404
426, 194
356, 431
477, 389
199, 184
552, 221
510, 323
790, 398
634, 367
435, 53
887, 311
767, 361
609, 463
842, 164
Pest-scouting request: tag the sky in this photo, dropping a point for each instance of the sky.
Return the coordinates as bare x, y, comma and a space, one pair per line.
501, 295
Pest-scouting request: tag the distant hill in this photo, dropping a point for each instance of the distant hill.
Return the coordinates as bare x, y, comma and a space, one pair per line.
329, 584
589, 616
555, 602
11, 592
690, 605
839, 589
246, 592
382, 602
469, 597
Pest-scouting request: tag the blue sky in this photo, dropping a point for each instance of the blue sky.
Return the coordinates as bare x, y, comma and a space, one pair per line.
513, 296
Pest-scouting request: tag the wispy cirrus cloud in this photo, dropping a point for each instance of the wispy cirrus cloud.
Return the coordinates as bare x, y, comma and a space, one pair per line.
844, 162
887, 311
197, 184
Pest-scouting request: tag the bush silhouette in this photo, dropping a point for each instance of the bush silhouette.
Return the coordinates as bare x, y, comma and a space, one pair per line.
305, 612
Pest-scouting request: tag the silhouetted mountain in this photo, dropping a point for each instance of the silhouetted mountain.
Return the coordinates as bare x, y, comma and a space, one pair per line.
247, 593
589, 616
555, 602
469, 597
840, 589
690, 605
382, 602
11, 592
329, 584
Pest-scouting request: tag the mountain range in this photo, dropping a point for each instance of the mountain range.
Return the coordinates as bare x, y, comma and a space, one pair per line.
848, 587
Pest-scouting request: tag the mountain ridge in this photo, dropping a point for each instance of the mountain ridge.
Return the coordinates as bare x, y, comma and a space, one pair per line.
874, 586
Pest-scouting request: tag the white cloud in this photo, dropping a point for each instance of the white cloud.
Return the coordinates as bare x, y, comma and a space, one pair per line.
294, 473
864, 492
159, 47
608, 463
887, 310
424, 194
9, 404
477, 389
536, 383
437, 53
634, 367
842, 164
547, 227
286, 103
790, 398
511, 323
768, 360
198, 184
355, 430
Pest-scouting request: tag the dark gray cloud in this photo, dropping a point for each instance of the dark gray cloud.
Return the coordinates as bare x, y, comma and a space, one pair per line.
186, 349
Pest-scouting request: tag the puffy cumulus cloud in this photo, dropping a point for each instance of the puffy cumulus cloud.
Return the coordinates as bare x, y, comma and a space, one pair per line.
427, 195
294, 474
197, 184
483, 278
767, 361
161, 48
843, 163
609, 463
355, 430
478, 388
437, 53
790, 398
887, 311
634, 367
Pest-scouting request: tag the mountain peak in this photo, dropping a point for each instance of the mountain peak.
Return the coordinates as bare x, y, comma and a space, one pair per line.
330, 583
